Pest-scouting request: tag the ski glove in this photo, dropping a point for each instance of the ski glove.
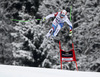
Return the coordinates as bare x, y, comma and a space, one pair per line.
70, 33
44, 19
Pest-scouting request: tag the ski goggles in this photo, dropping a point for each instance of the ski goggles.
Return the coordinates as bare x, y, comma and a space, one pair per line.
62, 15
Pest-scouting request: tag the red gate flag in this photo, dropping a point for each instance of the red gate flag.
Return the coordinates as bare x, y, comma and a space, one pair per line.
67, 56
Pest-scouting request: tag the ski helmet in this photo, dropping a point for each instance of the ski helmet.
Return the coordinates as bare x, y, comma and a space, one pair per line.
63, 13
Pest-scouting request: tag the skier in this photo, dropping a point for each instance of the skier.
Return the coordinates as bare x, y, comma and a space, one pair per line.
58, 22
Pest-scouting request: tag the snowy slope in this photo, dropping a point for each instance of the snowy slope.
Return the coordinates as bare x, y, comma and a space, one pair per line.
15, 71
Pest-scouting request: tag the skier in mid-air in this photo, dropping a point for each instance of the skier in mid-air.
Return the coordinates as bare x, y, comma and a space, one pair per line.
58, 22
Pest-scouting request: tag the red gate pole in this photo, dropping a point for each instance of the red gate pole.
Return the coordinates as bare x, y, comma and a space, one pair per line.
76, 66
60, 54
75, 57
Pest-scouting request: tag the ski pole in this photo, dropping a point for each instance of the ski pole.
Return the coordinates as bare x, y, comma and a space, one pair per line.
22, 20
